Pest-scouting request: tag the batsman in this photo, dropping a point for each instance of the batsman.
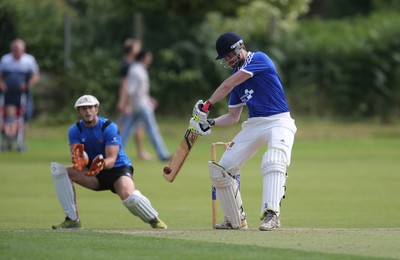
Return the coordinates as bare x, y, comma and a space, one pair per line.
254, 82
98, 163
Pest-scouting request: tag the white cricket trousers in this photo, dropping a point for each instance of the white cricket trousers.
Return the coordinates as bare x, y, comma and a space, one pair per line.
276, 132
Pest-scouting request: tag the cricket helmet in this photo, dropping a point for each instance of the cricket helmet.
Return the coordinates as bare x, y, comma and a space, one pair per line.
228, 42
87, 100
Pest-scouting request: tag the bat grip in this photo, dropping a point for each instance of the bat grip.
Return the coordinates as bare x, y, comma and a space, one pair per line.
206, 107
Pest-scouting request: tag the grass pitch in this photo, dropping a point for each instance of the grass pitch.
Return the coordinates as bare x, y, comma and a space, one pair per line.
342, 202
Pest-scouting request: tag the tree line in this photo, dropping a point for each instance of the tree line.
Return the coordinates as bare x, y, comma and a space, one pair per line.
336, 58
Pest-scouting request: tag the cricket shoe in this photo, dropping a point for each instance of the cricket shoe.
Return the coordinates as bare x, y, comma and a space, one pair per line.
69, 224
158, 224
270, 220
227, 225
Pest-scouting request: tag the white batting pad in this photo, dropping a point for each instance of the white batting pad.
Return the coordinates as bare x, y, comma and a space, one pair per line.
274, 160
228, 193
64, 189
273, 191
273, 169
140, 206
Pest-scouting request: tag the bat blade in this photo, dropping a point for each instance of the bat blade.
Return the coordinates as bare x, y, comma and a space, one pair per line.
179, 157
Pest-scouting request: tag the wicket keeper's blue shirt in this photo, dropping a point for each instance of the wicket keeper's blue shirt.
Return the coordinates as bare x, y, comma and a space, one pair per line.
95, 140
263, 92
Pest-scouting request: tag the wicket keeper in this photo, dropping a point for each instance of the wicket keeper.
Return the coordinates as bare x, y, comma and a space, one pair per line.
254, 82
99, 163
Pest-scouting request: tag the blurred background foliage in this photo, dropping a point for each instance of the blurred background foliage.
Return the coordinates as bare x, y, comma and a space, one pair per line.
336, 58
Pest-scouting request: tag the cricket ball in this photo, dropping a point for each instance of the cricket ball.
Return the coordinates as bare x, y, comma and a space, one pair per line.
167, 170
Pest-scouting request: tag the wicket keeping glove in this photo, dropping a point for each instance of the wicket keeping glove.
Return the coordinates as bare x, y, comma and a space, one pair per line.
79, 157
199, 128
198, 114
96, 166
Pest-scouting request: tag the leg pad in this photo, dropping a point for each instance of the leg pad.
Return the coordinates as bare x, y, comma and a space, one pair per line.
140, 206
273, 168
64, 189
228, 193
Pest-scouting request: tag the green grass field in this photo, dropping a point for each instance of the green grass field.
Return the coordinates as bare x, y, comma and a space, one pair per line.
342, 202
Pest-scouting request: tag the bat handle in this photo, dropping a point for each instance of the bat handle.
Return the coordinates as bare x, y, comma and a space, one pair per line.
206, 107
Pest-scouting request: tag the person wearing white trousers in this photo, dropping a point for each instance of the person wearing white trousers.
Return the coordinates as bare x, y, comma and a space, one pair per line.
255, 83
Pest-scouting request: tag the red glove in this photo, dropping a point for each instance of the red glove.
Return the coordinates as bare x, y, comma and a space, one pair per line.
96, 166
79, 157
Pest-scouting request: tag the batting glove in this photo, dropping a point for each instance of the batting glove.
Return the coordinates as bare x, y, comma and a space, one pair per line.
96, 166
199, 114
79, 160
199, 128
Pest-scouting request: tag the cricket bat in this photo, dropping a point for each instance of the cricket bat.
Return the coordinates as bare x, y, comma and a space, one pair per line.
179, 158
171, 170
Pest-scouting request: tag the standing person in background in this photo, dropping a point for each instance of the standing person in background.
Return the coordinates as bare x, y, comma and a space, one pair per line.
131, 49
19, 72
10, 121
254, 82
141, 106
99, 163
